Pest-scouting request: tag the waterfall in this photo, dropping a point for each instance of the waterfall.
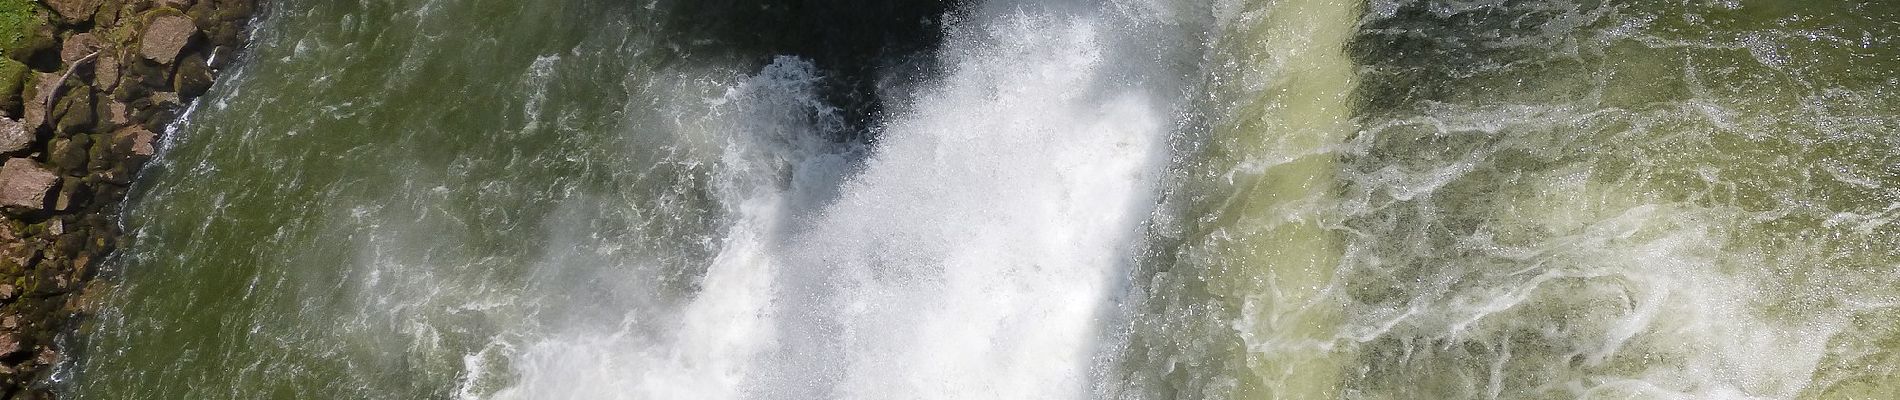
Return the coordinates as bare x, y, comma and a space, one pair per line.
1035, 199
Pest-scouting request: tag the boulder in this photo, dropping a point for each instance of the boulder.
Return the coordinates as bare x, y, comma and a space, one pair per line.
114, 114
72, 193
78, 46
39, 99
105, 73
70, 154
136, 141
13, 76
75, 111
46, 355
157, 110
35, 38
108, 13
14, 136
193, 78
74, 10
147, 73
9, 343
165, 36
24, 184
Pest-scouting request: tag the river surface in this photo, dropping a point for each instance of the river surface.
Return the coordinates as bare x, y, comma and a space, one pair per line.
1047, 199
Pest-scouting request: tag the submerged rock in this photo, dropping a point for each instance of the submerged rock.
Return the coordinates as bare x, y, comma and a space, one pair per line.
24, 184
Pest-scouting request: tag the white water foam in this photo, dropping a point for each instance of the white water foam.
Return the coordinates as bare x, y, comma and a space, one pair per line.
971, 256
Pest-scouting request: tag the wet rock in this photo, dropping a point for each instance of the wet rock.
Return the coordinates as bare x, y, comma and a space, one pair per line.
14, 136
77, 47
75, 111
74, 10
157, 110
193, 78
222, 21
165, 36
24, 184
221, 57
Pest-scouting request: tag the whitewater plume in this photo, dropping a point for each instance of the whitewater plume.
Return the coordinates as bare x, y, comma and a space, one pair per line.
973, 253
1038, 199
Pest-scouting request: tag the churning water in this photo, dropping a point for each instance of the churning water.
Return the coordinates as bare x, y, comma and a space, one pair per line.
1024, 199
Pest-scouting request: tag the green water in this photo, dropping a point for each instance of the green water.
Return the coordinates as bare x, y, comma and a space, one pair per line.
289, 244
1115, 199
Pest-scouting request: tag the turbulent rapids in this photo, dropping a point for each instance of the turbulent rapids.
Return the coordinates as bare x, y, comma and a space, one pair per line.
1022, 199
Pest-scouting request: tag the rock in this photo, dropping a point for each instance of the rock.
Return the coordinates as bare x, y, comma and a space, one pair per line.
221, 57
9, 343
222, 21
115, 114
157, 111
69, 154
165, 36
75, 111
46, 356
78, 46
24, 184
14, 136
38, 100
105, 73
136, 141
13, 76
72, 192
193, 78
74, 10
146, 75
33, 40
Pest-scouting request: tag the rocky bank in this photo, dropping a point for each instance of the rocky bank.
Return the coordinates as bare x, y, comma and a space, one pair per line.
86, 89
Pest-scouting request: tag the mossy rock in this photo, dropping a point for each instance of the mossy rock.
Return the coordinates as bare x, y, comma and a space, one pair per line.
68, 155
23, 29
12, 80
74, 111
17, 20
